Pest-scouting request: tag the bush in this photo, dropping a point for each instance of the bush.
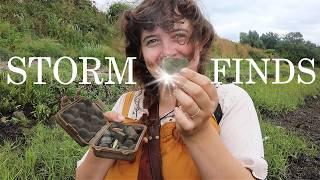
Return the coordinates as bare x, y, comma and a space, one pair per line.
271, 53
257, 55
8, 35
115, 11
72, 35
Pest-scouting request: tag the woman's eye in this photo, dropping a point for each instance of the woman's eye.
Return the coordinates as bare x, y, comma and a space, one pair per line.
152, 42
178, 35
181, 38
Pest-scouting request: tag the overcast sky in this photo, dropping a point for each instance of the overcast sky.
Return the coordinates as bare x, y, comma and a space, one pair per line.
230, 17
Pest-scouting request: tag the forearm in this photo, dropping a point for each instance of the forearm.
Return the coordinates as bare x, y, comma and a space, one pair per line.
93, 167
212, 158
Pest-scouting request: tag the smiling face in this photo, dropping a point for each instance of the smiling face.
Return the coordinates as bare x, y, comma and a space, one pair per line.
158, 44
160, 28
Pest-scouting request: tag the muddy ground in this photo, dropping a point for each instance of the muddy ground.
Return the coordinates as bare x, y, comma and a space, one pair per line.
10, 132
304, 121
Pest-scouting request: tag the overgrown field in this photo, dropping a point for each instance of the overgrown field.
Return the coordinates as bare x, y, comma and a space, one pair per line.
32, 146
45, 150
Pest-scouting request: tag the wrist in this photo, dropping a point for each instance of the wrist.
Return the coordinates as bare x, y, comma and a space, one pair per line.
201, 135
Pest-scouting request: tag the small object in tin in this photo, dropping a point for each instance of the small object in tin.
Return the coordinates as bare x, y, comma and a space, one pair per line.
117, 129
138, 129
106, 140
117, 125
121, 136
115, 144
132, 134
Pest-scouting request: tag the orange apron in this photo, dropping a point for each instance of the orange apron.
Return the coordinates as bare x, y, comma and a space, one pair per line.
176, 161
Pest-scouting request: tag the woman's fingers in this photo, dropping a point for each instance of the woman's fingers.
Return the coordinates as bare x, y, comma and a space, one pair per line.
183, 123
201, 80
186, 102
189, 116
198, 95
116, 117
113, 116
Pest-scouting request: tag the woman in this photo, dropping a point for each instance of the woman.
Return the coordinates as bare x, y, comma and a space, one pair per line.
189, 144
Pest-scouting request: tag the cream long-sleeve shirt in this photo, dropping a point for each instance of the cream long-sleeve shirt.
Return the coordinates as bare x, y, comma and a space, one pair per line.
239, 126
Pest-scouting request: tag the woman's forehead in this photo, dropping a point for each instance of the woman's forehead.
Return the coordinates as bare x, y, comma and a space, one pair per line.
183, 24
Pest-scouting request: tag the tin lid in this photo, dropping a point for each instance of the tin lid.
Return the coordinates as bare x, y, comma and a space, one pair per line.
84, 118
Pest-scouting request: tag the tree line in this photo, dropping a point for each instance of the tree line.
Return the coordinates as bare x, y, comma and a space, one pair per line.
290, 46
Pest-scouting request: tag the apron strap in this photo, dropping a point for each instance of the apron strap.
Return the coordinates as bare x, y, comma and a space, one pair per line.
127, 103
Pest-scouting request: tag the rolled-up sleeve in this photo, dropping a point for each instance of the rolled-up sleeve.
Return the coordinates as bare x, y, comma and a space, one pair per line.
240, 129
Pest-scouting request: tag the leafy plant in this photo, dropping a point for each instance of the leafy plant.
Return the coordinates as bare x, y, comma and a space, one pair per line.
115, 10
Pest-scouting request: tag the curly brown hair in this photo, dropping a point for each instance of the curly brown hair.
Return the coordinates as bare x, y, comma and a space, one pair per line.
163, 13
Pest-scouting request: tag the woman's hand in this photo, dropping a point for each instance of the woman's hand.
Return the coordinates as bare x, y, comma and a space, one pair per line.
95, 167
197, 99
116, 117
113, 116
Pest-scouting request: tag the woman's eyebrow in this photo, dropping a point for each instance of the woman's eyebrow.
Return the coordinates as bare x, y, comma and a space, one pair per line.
174, 30
180, 29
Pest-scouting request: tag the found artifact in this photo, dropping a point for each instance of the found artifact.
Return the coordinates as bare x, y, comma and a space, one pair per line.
86, 124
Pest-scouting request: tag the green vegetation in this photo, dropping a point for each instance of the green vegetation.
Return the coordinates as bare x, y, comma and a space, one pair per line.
75, 28
266, 96
48, 153
55, 29
43, 100
279, 145
270, 100
291, 46
115, 11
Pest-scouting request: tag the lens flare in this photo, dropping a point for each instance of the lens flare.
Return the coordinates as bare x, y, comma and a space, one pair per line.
170, 66
166, 78
166, 71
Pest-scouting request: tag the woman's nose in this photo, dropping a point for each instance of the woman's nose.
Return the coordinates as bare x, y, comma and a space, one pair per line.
168, 49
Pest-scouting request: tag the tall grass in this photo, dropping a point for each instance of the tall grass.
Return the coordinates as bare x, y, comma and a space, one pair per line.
48, 153
279, 145
271, 98
39, 48
276, 99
